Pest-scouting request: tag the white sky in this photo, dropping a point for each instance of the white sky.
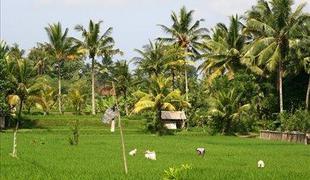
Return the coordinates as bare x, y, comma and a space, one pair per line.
134, 22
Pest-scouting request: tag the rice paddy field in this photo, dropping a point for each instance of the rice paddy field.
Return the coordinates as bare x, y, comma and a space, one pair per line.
44, 153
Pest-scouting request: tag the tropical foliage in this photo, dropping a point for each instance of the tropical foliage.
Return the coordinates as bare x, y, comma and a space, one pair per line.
236, 78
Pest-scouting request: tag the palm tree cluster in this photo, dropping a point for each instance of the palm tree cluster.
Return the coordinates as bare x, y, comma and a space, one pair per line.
220, 77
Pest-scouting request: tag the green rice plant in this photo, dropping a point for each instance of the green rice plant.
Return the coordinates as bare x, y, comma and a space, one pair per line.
74, 139
175, 173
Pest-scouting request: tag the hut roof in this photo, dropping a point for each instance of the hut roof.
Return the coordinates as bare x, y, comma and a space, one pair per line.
173, 115
106, 91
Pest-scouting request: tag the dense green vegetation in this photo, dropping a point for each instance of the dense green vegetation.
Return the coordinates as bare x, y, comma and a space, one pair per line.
44, 153
235, 78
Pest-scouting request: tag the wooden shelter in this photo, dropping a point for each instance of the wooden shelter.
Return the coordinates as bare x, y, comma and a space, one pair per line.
173, 119
106, 91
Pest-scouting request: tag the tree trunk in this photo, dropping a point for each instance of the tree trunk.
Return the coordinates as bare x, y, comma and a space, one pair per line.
59, 90
126, 105
173, 79
14, 150
307, 95
186, 84
280, 87
93, 86
159, 123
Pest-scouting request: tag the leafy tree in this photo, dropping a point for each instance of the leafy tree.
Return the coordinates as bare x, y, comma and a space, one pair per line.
4, 81
94, 44
62, 48
271, 23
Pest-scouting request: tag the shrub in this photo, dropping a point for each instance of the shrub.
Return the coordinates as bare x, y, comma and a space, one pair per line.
297, 121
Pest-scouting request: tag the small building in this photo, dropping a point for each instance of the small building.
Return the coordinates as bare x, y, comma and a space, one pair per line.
106, 91
173, 119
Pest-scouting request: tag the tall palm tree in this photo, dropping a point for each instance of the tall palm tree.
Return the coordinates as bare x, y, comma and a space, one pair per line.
186, 34
62, 48
96, 44
123, 79
301, 49
175, 60
151, 59
39, 55
271, 23
224, 50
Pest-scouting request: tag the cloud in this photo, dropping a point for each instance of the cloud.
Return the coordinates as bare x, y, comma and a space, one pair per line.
227, 8
82, 2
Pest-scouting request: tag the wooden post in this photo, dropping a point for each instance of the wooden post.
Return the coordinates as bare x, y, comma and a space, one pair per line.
120, 128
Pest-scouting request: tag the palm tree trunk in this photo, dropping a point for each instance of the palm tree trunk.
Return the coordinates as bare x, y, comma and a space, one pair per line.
173, 79
186, 84
185, 74
59, 90
280, 87
14, 150
307, 95
93, 86
126, 105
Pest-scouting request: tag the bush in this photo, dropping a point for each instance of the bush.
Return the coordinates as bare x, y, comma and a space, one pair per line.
297, 121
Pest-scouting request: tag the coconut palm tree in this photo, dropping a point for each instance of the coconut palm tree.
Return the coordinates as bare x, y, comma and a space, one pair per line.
4, 49
224, 50
42, 94
39, 55
151, 59
95, 44
225, 108
160, 97
123, 79
271, 24
186, 34
62, 48
175, 60
300, 48
20, 76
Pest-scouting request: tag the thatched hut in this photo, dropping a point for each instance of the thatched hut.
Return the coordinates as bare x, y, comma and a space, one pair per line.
106, 91
173, 119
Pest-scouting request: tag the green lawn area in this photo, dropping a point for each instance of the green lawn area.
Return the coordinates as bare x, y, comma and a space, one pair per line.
44, 153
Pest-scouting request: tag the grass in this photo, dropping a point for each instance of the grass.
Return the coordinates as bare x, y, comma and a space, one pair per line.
44, 153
